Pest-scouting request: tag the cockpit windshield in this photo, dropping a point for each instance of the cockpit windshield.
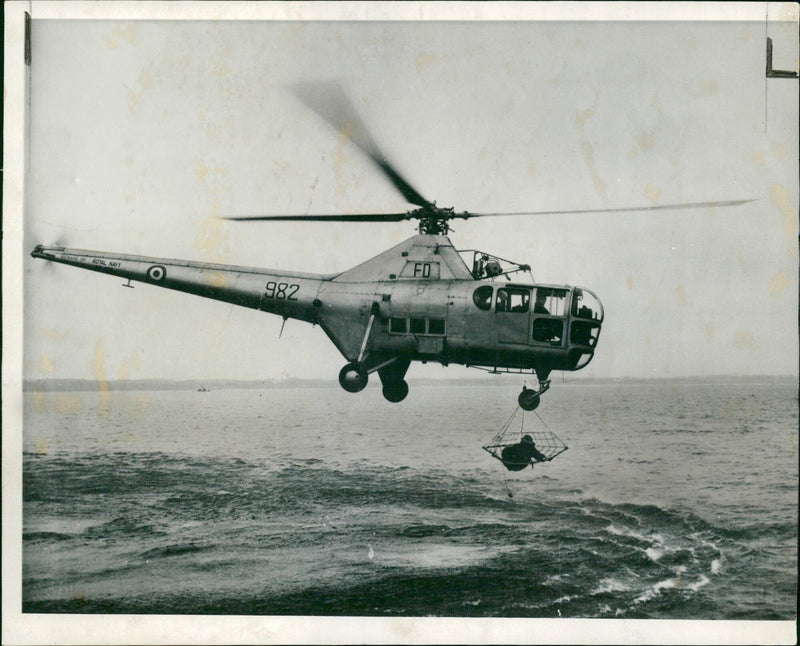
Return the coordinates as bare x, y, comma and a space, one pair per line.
586, 305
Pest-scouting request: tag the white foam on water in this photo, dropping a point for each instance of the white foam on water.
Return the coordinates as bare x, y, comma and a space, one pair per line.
436, 556
702, 581
716, 566
666, 584
65, 526
707, 543
610, 585
654, 553
657, 548
656, 539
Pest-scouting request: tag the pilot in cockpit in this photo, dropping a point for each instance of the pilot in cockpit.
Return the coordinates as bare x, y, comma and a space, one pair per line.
539, 307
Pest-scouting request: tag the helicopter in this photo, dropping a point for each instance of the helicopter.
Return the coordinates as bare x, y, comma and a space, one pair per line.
422, 300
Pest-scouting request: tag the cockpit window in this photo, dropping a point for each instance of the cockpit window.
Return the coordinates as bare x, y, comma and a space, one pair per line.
513, 299
482, 297
550, 300
585, 305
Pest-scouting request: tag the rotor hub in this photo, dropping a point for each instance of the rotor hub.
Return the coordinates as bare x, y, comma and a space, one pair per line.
433, 219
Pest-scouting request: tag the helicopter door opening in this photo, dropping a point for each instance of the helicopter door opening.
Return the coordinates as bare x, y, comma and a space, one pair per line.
549, 314
512, 314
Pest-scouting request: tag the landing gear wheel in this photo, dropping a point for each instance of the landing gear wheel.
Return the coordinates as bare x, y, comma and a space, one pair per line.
528, 399
396, 391
353, 377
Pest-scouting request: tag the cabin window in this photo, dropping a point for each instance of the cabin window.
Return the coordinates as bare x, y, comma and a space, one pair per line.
436, 326
417, 326
513, 299
398, 326
548, 330
482, 297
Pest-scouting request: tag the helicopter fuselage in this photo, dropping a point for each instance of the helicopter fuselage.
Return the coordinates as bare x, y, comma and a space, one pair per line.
415, 302
475, 323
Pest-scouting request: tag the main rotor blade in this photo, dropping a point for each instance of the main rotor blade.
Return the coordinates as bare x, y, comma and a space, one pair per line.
659, 207
364, 217
331, 104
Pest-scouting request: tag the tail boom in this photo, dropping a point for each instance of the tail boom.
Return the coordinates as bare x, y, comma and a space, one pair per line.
288, 294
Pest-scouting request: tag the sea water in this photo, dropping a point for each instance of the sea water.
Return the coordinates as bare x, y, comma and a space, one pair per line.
674, 500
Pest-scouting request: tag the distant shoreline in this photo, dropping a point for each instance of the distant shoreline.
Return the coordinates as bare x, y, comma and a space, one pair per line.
59, 385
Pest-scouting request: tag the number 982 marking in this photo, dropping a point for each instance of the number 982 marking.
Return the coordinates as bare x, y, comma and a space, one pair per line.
281, 291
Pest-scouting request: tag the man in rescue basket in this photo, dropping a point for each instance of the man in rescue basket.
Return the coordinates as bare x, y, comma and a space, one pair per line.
516, 457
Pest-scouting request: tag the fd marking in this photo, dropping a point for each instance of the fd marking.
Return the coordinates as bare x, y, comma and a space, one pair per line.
156, 273
422, 269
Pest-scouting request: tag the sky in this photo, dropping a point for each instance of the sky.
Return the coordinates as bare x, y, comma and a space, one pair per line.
141, 133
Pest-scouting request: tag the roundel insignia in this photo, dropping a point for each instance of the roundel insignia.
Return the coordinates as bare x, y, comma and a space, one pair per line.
156, 273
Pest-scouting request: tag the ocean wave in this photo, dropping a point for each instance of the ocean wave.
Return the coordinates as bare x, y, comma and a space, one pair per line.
420, 531
34, 537
654, 553
610, 585
632, 533
126, 527
552, 545
275, 517
701, 582
655, 590
175, 549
